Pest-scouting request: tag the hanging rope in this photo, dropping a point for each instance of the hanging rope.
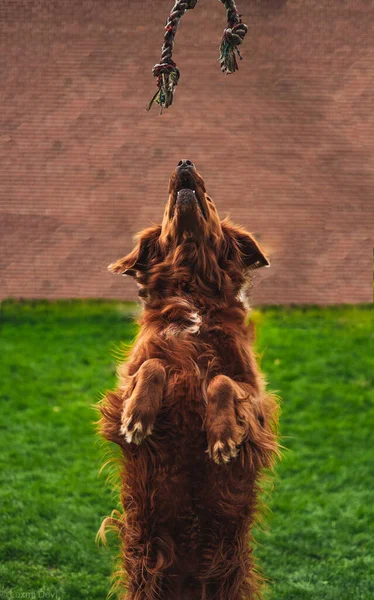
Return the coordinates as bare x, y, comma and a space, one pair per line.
167, 72
233, 36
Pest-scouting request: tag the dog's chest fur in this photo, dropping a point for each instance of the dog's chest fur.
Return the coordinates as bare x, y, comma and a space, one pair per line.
198, 339
181, 319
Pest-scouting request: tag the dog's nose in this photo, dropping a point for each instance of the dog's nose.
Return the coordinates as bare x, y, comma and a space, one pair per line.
185, 164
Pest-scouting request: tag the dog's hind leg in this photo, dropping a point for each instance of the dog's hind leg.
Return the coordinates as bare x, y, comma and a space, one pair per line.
159, 530
150, 568
148, 555
227, 569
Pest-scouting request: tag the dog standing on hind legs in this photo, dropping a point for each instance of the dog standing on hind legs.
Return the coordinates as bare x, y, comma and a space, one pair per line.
191, 414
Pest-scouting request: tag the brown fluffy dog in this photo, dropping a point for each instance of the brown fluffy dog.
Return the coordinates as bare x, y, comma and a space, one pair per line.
190, 414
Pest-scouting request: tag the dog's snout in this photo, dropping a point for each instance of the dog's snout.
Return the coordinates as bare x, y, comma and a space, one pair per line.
185, 164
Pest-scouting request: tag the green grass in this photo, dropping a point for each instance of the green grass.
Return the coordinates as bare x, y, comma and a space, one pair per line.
57, 359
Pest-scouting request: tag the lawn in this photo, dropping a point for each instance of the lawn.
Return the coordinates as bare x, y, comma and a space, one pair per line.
57, 359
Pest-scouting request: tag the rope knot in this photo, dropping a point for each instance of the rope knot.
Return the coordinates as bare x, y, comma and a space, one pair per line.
232, 38
168, 75
166, 68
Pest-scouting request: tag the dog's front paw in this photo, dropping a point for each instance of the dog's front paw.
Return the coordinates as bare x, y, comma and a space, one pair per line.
134, 428
222, 451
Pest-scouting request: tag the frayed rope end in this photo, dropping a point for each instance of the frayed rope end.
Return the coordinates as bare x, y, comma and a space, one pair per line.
167, 79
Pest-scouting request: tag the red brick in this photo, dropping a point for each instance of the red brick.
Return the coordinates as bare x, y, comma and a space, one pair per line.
285, 145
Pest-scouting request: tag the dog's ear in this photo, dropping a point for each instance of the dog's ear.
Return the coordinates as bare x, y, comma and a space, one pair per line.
241, 244
141, 256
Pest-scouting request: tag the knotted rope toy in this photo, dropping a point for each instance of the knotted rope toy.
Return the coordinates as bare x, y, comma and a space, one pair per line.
167, 72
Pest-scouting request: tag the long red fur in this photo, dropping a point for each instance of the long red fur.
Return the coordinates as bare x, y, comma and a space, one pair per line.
192, 381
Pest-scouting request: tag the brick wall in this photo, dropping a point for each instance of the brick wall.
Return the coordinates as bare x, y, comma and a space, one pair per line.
285, 145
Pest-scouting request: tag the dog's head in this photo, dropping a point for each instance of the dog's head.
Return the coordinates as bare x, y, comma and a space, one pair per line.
193, 250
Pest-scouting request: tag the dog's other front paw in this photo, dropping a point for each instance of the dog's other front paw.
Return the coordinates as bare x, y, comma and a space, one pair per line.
134, 428
222, 451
